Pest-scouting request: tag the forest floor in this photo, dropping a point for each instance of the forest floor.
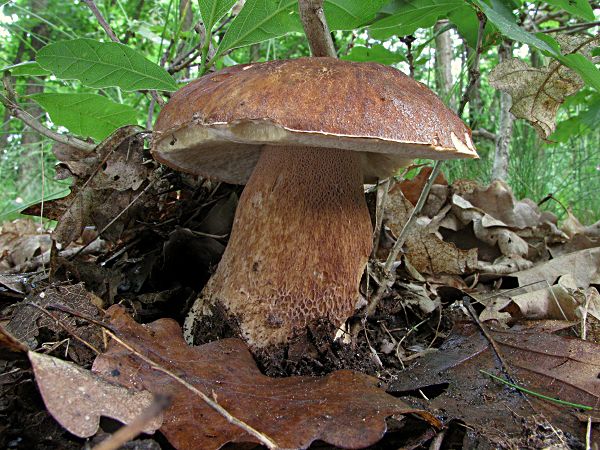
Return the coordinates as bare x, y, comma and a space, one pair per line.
491, 297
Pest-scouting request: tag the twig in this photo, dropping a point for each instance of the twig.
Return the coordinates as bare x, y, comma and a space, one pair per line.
101, 20
264, 439
109, 224
316, 28
379, 210
113, 37
16, 111
68, 329
389, 275
474, 72
130, 431
573, 27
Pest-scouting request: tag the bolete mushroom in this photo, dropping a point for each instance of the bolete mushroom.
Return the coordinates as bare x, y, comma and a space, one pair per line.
304, 135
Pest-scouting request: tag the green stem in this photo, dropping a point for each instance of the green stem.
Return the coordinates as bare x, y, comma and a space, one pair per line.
537, 394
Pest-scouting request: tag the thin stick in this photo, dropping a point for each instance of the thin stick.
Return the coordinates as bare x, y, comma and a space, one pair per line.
107, 226
474, 72
68, 329
33, 123
130, 431
264, 439
389, 276
101, 21
316, 28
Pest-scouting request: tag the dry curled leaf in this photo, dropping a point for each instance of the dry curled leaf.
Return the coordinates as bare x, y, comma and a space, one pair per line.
537, 92
345, 408
426, 252
107, 183
77, 398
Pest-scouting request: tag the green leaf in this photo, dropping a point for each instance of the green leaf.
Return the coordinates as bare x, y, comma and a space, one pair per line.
350, 14
28, 68
86, 114
104, 64
504, 20
581, 8
467, 24
260, 20
411, 15
376, 53
584, 68
212, 10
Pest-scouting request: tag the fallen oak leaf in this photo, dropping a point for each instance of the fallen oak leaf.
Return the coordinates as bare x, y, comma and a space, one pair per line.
77, 398
345, 408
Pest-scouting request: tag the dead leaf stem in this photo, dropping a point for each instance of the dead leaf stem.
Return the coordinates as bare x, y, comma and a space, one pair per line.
65, 327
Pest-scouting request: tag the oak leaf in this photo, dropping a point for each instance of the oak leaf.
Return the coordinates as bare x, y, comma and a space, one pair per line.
345, 408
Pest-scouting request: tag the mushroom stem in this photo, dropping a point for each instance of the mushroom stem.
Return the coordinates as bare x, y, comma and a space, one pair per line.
299, 244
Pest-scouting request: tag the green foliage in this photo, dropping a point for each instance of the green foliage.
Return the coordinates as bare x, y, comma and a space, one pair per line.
376, 53
411, 15
110, 76
104, 64
212, 11
260, 20
580, 8
27, 69
87, 115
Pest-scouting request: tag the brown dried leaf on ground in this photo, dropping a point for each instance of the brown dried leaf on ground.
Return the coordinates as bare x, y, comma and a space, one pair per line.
556, 366
563, 301
77, 398
105, 183
22, 242
28, 322
499, 202
424, 249
583, 266
344, 408
538, 92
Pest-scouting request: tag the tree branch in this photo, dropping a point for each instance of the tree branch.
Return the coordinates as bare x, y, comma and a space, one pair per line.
16, 111
316, 28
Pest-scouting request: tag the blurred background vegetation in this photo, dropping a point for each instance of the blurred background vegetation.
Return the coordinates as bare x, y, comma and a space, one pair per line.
170, 33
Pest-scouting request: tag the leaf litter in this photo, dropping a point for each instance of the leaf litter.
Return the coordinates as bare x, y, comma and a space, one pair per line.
513, 260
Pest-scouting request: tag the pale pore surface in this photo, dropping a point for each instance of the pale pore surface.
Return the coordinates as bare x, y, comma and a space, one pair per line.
300, 241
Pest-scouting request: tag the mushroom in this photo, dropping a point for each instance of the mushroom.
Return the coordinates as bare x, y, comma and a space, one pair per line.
304, 135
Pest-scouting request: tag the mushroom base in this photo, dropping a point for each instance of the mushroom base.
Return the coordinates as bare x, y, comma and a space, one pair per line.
298, 247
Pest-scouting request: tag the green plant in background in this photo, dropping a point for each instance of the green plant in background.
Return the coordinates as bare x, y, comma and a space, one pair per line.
72, 82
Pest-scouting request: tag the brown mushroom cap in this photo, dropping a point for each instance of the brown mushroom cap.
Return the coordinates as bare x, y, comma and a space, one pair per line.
216, 125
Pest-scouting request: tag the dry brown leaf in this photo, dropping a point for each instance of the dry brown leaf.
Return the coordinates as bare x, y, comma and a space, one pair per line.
537, 93
583, 266
27, 321
560, 367
437, 196
22, 243
77, 398
106, 183
345, 408
426, 252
